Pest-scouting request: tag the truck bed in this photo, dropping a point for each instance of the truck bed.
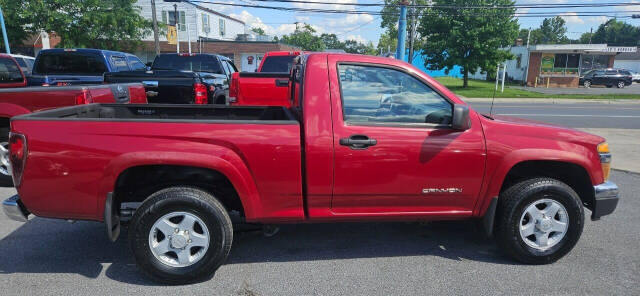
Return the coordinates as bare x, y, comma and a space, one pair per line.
169, 113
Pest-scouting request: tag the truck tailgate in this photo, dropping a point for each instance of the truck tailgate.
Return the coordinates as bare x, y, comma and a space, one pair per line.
260, 89
161, 86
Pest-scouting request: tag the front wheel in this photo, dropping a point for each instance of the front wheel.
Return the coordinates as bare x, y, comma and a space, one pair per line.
540, 220
5, 165
180, 235
587, 84
620, 84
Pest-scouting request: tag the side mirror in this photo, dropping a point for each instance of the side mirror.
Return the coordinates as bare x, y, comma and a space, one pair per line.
461, 118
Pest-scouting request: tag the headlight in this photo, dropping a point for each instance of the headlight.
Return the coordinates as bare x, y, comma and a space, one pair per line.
605, 159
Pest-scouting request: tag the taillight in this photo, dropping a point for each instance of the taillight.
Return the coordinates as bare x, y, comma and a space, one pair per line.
17, 156
84, 97
137, 95
233, 88
200, 91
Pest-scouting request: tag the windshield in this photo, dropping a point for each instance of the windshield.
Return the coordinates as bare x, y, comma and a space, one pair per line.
277, 63
70, 63
196, 63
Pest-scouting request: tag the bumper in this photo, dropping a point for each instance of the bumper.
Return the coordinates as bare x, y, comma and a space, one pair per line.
605, 201
14, 209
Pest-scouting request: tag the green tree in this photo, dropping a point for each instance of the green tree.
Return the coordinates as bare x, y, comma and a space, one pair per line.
305, 38
331, 41
107, 24
617, 33
352, 46
553, 31
466, 37
16, 15
534, 38
585, 38
389, 38
258, 31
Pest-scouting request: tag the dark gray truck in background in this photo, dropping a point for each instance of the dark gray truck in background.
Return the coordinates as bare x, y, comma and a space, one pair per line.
182, 78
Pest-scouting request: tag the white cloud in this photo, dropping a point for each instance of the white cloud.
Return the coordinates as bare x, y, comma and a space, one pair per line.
572, 18
357, 38
313, 5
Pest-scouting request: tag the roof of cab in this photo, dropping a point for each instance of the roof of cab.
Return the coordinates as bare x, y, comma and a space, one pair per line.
86, 50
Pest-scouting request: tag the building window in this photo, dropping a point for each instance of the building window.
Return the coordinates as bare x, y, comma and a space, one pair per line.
560, 64
169, 18
205, 23
592, 61
222, 27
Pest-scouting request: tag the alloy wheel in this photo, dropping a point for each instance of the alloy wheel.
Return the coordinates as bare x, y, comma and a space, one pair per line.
543, 224
179, 239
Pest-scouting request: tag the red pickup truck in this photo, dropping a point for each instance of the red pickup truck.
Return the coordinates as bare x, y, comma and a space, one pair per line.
373, 139
18, 101
266, 87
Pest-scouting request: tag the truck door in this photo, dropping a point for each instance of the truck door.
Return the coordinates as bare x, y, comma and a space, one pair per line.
395, 152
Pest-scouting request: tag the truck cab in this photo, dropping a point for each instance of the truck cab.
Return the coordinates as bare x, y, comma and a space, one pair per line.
68, 66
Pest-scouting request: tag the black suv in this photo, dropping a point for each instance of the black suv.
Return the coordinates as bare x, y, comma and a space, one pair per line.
607, 77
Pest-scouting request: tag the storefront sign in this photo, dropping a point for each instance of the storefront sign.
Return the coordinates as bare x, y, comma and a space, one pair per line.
621, 49
548, 60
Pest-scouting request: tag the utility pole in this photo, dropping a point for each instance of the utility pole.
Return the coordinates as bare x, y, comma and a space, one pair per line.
402, 30
590, 35
412, 31
4, 33
526, 73
175, 23
155, 26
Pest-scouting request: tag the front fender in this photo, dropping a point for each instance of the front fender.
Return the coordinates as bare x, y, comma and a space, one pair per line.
578, 155
219, 159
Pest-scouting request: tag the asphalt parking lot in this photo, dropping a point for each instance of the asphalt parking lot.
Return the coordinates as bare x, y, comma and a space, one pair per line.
46, 257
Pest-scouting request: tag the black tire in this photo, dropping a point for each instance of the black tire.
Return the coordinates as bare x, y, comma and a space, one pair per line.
587, 84
620, 84
512, 204
5, 180
181, 199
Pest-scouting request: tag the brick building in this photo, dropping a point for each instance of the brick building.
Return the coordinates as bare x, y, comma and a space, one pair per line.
560, 65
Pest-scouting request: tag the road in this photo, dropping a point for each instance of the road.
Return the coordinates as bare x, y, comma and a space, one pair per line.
633, 89
44, 257
578, 115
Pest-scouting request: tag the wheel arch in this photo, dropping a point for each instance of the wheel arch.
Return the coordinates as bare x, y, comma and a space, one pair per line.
206, 167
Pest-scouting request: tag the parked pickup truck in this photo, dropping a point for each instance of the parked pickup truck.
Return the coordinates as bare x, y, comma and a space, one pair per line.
11, 75
60, 66
257, 89
373, 139
183, 78
18, 101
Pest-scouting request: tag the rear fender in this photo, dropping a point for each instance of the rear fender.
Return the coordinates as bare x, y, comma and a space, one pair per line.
219, 159
10, 110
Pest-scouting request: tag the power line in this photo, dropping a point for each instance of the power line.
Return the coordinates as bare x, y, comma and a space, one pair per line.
370, 12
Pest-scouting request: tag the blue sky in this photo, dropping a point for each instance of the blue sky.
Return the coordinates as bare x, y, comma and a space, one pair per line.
365, 27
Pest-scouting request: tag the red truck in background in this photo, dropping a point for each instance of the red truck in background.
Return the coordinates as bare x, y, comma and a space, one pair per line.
11, 75
18, 101
372, 139
266, 87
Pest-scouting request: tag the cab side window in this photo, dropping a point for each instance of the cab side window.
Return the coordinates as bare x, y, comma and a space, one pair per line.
377, 94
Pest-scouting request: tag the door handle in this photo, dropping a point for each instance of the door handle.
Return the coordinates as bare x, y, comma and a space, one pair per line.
358, 142
282, 82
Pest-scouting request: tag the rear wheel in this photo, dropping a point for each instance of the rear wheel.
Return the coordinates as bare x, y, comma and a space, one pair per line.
5, 165
180, 235
587, 84
540, 220
620, 84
